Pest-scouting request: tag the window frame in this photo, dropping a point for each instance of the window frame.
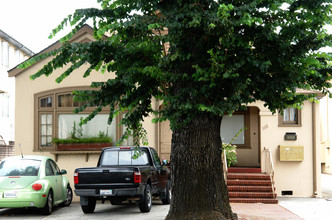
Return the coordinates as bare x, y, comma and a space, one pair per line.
55, 111
297, 123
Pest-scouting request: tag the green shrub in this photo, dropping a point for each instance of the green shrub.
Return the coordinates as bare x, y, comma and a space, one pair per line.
230, 150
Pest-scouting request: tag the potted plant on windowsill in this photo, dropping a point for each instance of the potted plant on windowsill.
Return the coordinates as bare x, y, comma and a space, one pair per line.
90, 143
77, 142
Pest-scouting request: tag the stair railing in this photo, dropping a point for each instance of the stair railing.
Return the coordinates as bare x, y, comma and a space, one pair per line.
224, 163
269, 167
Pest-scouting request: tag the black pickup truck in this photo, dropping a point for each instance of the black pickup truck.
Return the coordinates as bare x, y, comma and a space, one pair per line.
123, 173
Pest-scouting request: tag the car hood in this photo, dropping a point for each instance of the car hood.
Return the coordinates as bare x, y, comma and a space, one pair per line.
16, 182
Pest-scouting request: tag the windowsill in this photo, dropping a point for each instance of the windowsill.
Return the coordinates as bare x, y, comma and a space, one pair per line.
289, 125
87, 153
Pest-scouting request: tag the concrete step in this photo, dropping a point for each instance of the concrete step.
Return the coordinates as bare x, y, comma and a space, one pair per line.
252, 200
240, 182
248, 176
249, 188
257, 195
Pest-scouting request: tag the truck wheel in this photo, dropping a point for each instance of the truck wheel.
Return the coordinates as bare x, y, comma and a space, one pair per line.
168, 194
146, 203
90, 207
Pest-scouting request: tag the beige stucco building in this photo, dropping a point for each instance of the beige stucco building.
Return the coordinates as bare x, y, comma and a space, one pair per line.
44, 110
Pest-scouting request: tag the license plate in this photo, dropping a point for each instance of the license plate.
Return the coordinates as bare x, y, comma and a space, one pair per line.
105, 192
10, 194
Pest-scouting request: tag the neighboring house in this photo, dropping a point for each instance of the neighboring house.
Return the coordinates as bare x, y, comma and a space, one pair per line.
12, 53
292, 138
326, 134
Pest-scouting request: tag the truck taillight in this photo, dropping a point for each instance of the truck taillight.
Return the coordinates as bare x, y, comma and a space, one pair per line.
75, 178
137, 177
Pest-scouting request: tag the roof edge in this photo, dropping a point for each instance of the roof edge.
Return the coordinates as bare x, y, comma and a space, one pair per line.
17, 44
85, 29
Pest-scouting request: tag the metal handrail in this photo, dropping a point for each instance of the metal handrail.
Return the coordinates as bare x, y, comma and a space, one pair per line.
269, 167
224, 163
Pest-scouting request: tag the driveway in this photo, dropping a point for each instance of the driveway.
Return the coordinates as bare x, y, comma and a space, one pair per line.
102, 211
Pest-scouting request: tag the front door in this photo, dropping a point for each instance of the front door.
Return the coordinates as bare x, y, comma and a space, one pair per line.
242, 130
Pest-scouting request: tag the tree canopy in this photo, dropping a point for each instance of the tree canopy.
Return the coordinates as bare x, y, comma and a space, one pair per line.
198, 56
222, 54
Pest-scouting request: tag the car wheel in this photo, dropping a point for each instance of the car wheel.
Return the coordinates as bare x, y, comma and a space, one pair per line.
146, 203
90, 207
47, 209
69, 197
168, 194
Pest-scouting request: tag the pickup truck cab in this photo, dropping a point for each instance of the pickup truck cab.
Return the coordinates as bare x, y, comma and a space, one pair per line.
123, 173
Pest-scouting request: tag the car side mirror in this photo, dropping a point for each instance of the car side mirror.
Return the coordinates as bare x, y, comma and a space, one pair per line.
63, 172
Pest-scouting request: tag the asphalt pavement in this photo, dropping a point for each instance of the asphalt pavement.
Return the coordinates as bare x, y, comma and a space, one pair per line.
289, 208
102, 211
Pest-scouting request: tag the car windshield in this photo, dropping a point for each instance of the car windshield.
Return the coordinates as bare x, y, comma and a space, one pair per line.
19, 167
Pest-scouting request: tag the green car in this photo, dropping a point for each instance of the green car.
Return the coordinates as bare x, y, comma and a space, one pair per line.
33, 181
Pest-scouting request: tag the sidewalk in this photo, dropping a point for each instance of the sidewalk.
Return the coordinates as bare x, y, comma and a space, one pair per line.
259, 211
290, 207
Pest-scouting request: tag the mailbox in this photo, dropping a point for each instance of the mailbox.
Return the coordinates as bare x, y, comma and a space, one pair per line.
291, 153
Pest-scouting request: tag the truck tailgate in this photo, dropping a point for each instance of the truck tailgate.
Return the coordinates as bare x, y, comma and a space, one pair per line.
110, 177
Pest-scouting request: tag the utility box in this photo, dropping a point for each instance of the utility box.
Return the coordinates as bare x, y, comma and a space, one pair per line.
291, 153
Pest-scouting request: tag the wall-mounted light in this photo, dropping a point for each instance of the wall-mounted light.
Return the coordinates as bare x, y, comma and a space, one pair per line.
290, 136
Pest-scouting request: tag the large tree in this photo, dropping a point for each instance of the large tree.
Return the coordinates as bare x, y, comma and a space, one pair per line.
203, 59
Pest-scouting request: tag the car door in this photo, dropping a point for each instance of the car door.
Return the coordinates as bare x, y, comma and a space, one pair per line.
161, 177
55, 177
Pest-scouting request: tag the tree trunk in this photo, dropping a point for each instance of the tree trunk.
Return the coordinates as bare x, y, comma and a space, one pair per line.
198, 187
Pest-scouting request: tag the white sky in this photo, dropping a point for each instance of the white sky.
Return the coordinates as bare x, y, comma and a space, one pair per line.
31, 21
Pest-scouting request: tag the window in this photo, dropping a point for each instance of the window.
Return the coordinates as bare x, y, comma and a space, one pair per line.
67, 121
49, 169
157, 162
290, 117
130, 140
46, 127
17, 56
55, 168
5, 53
4, 106
232, 125
55, 119
124, 157
46, 102
19, 167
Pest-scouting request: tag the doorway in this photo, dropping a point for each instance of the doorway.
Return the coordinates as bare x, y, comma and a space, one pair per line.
242, 130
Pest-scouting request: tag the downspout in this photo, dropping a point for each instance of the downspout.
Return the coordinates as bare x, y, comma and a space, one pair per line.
157, 131
314, 148
315, 136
